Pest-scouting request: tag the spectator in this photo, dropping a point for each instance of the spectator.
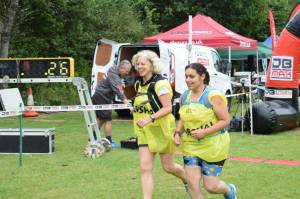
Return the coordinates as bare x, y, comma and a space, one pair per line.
105, 92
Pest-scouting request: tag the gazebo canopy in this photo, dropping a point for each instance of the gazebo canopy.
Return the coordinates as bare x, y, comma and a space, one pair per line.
263, 52
206, 32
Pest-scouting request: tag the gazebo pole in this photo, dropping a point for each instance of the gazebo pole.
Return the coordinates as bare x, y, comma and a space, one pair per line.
189, 46
229, 54
257, 68
229, 62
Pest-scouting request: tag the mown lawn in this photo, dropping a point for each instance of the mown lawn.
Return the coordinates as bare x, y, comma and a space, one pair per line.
67, 173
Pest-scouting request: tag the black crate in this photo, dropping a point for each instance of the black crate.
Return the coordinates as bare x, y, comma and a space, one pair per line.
34, 140
130, 143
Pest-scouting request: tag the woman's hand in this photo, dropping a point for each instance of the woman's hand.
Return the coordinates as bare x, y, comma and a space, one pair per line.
177, 139
199, 133
143, 122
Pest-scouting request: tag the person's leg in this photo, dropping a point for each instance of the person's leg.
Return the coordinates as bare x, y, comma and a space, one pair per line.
146, 166
193, 176
169, 166
100, 123
107, 127
105, 122
106, 117
212, 182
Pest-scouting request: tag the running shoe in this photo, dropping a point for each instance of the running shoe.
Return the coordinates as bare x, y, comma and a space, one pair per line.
232, 193
115, 145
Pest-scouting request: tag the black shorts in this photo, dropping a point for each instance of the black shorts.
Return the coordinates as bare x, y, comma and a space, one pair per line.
102, 114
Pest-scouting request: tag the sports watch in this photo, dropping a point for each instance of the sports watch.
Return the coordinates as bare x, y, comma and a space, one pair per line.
152, 117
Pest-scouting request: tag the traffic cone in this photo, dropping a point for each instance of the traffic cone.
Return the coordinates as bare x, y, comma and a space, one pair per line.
30, 102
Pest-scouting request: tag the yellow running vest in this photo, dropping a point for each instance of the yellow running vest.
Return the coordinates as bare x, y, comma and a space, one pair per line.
199, 115
158, 134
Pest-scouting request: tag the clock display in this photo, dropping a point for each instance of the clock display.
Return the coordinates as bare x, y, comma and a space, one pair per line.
37, 67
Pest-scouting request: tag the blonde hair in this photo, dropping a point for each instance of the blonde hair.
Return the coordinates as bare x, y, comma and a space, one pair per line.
156, 63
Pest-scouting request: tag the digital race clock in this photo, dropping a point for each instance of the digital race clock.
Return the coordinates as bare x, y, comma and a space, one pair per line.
32, 68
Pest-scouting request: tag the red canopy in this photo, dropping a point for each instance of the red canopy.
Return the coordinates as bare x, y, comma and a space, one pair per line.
206, 32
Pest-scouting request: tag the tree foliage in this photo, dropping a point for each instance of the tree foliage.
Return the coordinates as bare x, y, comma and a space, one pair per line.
248, 18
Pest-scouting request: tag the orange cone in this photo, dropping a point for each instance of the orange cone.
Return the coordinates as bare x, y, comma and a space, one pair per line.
30, 102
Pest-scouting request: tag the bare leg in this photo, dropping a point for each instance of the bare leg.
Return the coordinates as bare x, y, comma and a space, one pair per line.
214, 185
169, 165
193, 176
100, 123
107, 126
146, 167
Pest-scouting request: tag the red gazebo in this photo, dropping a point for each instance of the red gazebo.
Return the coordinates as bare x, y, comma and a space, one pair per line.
206, 32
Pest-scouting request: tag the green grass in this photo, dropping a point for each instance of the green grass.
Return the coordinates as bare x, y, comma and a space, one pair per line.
67, 173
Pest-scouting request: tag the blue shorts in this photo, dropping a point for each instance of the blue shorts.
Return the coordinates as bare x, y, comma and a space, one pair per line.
208, 168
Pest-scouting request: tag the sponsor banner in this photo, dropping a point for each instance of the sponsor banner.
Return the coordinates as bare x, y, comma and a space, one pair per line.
245, 44
272, 29
280, 94
282, 68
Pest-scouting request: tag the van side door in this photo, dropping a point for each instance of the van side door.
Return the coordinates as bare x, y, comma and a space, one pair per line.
104, 58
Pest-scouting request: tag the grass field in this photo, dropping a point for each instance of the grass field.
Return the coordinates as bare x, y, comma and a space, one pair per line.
67, 173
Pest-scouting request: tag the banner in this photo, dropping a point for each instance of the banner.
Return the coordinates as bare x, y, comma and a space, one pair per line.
272, 29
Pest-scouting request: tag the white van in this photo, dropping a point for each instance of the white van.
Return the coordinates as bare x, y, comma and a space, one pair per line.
174, 56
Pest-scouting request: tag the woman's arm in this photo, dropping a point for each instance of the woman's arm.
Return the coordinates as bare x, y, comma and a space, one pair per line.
166, 108
166, 102
178, 133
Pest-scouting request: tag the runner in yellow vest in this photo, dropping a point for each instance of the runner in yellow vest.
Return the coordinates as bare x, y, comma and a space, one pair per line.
154, 130
202, 132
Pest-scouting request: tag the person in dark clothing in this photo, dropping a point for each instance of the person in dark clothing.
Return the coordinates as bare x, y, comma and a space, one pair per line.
105, 92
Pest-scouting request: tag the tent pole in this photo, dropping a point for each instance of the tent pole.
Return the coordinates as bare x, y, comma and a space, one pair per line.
229, 62
250, 105
189, 46
229, 54
257, 67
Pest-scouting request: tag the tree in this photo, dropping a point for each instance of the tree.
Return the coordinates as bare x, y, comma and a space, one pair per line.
70, 28
7, 17
248, 18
